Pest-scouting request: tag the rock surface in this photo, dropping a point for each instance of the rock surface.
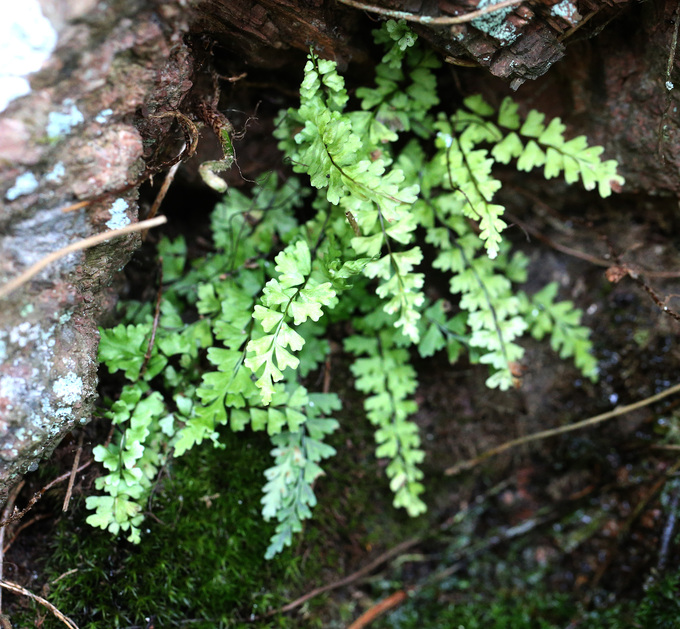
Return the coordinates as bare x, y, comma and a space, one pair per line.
73, 138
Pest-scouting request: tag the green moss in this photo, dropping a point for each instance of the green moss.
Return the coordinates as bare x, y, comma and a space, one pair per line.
477, 612
202, 560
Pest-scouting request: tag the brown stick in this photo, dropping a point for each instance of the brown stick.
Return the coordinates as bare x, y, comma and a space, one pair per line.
427, 19
154, 327
9, 507
85, 243
386, 556
169, 177
17, 589
371, 614
544, 434
64, 575
25, 525
72, 478
38, 495
623, 533
556, 245
76, 206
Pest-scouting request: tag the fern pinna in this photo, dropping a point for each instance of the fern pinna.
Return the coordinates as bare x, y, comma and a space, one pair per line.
263, 299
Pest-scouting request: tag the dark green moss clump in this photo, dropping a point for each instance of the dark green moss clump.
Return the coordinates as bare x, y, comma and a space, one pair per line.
201, 560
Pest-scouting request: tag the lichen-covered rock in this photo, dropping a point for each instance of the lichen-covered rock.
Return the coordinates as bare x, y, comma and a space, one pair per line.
72, 138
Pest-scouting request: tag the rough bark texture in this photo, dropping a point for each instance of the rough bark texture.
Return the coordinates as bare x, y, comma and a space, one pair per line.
73, 138
85, 132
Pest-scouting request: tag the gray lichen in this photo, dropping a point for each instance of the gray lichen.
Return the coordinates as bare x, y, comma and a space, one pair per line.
119, 217
69, 388
24, 184
495, 23
61, 122
567, 11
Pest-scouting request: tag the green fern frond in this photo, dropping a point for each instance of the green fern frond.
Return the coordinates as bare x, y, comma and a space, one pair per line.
384, 373
288, 493
241, 330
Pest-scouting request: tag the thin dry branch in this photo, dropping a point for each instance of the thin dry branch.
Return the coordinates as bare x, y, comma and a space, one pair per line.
169, 178
17, 515
624, 531
24, 525
380, 608
386, 556
428, 19
77, 206
631, 269
544, 434
17, 589
9, 507
154, 327
86, 243
74, 469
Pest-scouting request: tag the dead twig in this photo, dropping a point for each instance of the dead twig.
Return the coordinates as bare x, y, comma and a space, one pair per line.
9, 507
17, 515
462, 557
616, 272
64, 575
625, 529
575, 253
386, 556
169, 177
190, 131
377, 610
76, 206
85, 243
428, 19
573, 29
72, 478
661, 446
25, 525
544, 434
154, 327
17, 589
604, 262
651, 292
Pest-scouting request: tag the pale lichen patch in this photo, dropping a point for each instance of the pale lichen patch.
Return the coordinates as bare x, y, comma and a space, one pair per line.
119, 217
69, 388
495, 24
567, 11
59, 123
103, 115
24, 184
27, 39
57, 173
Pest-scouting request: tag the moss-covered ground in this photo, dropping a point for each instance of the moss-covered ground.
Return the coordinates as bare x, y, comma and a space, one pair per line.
202, 561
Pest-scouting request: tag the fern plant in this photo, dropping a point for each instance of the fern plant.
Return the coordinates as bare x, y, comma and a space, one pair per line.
262, 301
